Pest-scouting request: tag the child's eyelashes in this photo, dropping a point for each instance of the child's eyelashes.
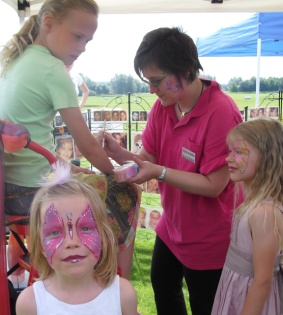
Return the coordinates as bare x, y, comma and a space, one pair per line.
86, 229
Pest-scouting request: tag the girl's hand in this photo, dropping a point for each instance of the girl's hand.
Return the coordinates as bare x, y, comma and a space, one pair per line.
77, 169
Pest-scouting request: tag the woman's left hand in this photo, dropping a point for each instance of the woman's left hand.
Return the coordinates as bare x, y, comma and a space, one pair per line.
147, 171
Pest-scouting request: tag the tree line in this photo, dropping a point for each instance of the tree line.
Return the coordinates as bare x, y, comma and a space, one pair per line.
123, 84
270, 84
119, 84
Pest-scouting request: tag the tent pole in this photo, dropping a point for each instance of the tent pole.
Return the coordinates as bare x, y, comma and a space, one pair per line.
258, 71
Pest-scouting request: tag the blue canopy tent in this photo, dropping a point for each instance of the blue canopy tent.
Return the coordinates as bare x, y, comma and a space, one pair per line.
260, 35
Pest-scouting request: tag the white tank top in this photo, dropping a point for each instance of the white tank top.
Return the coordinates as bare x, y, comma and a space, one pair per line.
106, 303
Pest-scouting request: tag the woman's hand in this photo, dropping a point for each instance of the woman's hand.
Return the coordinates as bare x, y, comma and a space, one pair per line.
147, 171
110, 145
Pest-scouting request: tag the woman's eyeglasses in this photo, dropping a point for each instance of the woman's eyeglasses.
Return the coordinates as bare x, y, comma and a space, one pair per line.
155, 82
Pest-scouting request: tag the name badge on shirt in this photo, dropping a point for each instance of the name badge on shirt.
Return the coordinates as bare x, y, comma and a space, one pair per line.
188, 155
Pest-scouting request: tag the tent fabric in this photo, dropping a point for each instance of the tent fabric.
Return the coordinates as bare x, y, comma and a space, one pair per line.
241, 40
169, 6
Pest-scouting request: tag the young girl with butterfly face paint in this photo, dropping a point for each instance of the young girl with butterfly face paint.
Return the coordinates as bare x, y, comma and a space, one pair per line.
251, 282
74, 250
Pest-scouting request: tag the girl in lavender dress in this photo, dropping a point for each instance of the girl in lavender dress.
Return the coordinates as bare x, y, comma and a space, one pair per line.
251, 281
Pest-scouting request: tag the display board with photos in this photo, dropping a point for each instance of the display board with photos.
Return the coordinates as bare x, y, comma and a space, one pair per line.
260, 112
113, 121
119, 115
116, 123
149, 217
150, 209
59, 122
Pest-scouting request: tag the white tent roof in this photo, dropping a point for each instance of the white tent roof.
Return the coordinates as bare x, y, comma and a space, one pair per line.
177, 6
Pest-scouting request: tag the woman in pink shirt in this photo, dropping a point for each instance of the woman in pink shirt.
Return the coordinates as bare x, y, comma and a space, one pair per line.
184, 147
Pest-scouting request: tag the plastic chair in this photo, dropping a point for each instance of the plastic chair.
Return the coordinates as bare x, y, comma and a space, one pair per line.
19, 226
4, 296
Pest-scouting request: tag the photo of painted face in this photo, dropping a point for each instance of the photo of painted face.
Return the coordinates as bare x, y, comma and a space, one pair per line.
154, 218
253, 113
115, 115
135, 116
137, 143
141, 218
123, 115
65, 147
261, 112
143, 116
121, 138
273, 111
267, 112
58, 121
97, 115
106, 115
152, 186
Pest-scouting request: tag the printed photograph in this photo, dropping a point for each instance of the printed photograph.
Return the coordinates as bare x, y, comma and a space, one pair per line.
136, 142
143, 115
65, 146
123, 115
97, 115
58, 121
121, 138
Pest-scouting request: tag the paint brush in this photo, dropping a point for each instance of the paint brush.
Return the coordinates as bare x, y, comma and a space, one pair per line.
104, 129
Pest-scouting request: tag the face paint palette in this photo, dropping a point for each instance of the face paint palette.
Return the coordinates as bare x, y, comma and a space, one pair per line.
126, 171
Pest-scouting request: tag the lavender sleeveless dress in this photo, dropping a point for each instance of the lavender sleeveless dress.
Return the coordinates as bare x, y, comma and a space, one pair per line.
237, 276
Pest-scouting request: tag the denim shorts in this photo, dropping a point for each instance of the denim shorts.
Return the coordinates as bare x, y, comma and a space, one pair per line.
18, 199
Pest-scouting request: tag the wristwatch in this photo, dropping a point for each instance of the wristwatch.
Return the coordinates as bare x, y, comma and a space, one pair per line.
161, 178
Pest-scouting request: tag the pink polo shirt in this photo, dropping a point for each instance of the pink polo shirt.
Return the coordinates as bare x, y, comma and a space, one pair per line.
195, 228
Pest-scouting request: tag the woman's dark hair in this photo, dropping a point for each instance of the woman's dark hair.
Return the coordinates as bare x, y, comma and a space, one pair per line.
170, 50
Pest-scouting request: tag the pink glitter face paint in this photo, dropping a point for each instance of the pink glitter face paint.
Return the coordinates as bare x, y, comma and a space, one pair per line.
53, 232
69, 216
88, 233
240, 153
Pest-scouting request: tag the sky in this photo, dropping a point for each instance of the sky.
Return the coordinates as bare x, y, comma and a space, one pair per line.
117, 38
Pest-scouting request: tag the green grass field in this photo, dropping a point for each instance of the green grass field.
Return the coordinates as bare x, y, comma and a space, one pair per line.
140, 275
146, 100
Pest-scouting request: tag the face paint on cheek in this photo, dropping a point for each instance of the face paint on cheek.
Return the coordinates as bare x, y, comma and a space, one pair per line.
173, 86
242, 162
241, 155
53, 232
69, 216
88, 233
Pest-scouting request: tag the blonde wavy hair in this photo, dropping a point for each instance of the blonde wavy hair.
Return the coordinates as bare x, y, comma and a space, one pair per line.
32, 27
266, 135
106, 267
